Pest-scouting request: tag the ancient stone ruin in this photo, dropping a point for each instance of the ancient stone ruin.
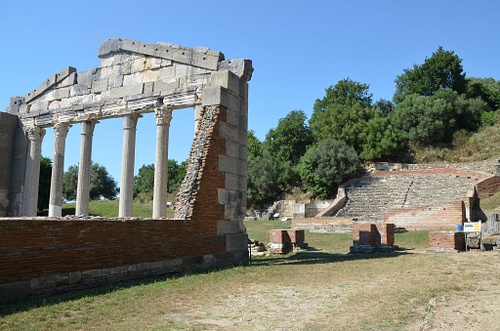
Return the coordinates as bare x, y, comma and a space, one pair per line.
39, 255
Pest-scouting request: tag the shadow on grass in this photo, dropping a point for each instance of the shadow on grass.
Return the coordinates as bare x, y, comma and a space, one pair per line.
306, 257
47, 300
312, 256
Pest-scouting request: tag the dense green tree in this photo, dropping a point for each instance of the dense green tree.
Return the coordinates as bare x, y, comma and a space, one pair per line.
102, 183
176, 174
387, 107
254, 146
326, 165
488, 90
44, 183
144, 180
345, 93
285, 145
432, 120
381, 140
443, 70
262, 184
349, 116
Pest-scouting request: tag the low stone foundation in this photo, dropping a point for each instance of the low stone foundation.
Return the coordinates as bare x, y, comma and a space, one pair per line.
371, 238
77, 280
284, 241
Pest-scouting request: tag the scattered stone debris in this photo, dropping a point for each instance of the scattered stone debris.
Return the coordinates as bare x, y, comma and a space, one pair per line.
255, 246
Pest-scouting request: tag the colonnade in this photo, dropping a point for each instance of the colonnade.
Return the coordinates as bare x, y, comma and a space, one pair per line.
163, 117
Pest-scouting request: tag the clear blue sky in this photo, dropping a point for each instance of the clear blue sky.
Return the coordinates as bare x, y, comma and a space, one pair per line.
298, 49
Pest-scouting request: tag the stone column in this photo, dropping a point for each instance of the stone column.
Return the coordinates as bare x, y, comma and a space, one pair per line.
32, 177
163, 117
84, 169
56, 181
128, 159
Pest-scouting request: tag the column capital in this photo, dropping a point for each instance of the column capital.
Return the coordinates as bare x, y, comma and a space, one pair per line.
35, 133
163, 115
61, 129
88, 127
130, 120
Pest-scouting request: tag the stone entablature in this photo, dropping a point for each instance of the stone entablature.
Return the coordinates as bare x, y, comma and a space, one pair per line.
133, 77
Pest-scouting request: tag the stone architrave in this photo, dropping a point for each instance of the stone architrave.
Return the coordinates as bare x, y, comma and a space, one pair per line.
128, 159
85, 169
57, 179
30, 198
163, 117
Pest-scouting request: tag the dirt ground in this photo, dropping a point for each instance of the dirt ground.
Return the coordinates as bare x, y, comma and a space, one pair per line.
477, 308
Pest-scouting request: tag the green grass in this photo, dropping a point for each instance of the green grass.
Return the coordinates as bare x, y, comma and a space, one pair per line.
333, 242
109, 208
491, 203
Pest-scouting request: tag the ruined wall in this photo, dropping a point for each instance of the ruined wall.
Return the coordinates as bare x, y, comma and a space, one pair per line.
51, 255
442, 217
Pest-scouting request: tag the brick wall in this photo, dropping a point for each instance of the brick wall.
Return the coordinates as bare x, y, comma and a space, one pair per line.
44, 256
488, 187
363, 234
447, 239
31, 249
444, 217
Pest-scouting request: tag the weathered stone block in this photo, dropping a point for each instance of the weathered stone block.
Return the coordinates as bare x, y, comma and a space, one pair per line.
236, 242
99, 85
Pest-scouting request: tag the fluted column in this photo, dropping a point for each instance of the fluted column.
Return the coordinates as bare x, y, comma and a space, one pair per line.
84, 169
128, 159
163, 117
56, 181
30, 198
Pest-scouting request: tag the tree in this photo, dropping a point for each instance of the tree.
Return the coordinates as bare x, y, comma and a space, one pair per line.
286, 144
144, 180
176, 174
44, 183
102, 183
326, 165
443, 70
345, 93
346, 114
432, 120
254, 146
488, 90
262, 183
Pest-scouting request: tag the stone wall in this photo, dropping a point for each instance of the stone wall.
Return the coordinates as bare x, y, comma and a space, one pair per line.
323, 224
39, 256
8, 125
444, 217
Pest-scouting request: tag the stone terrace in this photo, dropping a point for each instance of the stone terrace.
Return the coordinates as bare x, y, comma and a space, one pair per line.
369, 197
